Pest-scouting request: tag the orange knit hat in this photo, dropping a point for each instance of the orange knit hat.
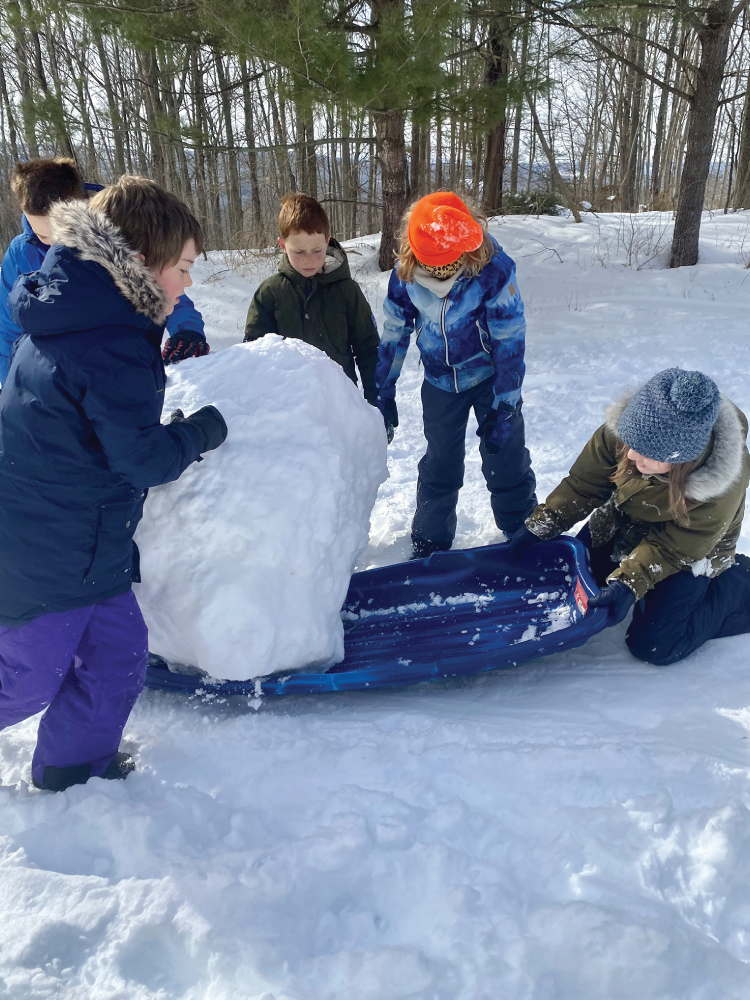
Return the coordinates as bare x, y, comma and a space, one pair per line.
441, 228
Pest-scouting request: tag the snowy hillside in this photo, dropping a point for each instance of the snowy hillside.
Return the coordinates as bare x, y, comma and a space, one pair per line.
577, 828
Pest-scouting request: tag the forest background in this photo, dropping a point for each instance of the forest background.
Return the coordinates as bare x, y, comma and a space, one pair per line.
520, 105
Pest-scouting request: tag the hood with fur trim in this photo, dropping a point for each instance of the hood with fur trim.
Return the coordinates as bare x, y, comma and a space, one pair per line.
98, 240
723, 465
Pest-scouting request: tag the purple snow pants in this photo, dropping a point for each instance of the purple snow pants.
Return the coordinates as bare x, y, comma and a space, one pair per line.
88, 665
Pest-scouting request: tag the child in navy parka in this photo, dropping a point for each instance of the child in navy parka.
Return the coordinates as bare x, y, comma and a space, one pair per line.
80, 443
38, 185
456, 288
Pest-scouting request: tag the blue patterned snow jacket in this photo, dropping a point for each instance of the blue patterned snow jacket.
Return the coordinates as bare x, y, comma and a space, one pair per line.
25, 254
476, 332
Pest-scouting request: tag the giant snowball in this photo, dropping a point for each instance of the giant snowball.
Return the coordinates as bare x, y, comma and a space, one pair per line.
246, 559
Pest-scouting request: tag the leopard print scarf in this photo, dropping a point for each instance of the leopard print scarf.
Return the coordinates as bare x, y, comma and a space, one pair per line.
443, 271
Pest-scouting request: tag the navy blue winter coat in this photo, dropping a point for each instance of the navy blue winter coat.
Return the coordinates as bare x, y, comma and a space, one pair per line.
25, 254
80, 432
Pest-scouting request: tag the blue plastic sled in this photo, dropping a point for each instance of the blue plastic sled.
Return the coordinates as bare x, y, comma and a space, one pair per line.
455, 613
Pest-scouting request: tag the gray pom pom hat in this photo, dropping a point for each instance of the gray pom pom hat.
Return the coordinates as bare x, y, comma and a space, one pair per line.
671, 417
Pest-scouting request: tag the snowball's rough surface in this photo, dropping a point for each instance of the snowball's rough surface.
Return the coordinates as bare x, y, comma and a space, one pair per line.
246, 559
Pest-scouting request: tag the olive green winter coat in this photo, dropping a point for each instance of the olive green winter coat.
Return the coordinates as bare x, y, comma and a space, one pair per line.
328, 311
648, 545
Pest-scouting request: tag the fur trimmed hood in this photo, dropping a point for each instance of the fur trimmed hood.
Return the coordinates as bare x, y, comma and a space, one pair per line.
96, 239
724, 464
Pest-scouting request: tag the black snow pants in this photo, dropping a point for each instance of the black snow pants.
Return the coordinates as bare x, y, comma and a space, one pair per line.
683, 611
508, 473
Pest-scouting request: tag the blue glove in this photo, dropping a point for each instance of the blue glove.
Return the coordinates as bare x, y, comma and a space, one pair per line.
495, 429
388, 408
184, 344
521, 540
618, 597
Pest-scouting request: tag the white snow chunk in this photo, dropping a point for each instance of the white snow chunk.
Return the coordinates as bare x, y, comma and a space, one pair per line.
529, 633
702, 567
246, 559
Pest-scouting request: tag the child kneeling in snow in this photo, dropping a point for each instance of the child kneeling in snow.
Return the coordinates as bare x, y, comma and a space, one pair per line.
457, 288
80, 443
665, 477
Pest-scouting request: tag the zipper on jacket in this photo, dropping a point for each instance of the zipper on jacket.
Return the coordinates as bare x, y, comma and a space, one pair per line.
445, 338
481, 341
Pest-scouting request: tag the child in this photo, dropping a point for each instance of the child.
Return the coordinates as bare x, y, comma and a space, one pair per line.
80, 443
37, 185
665, 477
457, 288
314, 297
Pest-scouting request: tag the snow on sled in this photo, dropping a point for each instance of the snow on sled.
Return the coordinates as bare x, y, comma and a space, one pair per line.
456, 613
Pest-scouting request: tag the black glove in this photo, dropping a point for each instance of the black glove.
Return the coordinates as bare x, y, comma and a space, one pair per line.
208, 422
495, 429
388, 408
618, 597
521, 540
185, 344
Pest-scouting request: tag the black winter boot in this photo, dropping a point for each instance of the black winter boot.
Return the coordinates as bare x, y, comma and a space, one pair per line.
57, 779
119, 767
423, 547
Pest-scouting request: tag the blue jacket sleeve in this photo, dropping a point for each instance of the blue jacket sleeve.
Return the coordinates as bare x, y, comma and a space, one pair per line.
400, 315
10, 331
507, 328
123, 403
185, 317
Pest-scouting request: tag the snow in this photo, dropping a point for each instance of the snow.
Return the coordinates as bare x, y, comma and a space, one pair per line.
246, 559
575, 828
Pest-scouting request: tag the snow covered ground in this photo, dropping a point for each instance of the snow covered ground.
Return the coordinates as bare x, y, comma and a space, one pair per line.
577, 828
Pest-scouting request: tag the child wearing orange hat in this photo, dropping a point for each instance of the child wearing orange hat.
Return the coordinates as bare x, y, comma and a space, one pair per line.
454, 285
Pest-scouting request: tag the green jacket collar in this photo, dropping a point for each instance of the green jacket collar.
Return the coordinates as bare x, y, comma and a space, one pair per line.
336, 268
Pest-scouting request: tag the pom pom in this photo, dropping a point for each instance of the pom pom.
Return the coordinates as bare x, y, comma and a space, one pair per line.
692, 392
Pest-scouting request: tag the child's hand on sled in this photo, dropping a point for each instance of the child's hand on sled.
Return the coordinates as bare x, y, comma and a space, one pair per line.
618, 597
521, 540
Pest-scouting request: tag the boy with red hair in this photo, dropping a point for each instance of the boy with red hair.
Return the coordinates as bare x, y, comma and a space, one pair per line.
314, 297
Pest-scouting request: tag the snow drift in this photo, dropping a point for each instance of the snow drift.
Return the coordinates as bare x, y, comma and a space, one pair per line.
246, 559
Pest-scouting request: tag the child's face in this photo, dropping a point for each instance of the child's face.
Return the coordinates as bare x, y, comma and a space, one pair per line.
40, 227
648, 466
175, 278
306, 251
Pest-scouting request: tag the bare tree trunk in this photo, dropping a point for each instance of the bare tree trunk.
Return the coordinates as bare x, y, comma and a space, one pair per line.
438, 151
518, 116
28, 110
234, 191
633, 100
496, 79
389, 129
114, 111
199, 114
349, 186
714, 38
372, 178
661, 117
9, 113
252, 156
415, 189
742, 190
